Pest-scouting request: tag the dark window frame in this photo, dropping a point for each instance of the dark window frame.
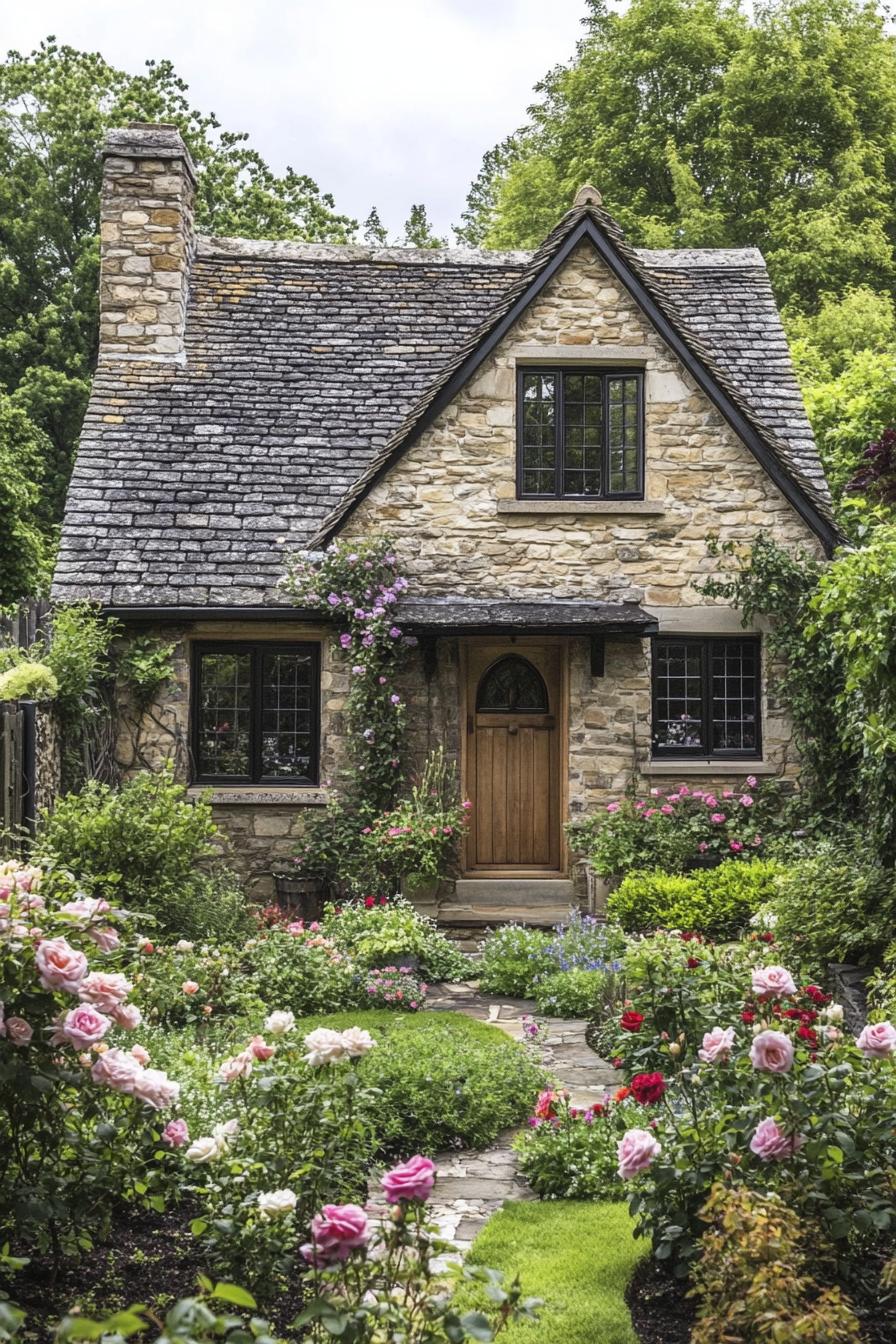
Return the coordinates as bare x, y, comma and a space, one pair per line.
707, 751
606, 373
256, 649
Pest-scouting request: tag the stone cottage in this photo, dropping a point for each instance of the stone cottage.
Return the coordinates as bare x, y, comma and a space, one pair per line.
547, 437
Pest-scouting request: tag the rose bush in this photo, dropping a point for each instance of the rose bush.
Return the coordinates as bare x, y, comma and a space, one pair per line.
570, 1152
82, 1111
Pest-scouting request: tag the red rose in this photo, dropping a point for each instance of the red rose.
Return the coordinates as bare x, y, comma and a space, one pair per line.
815, 994
766, 937
617, 1063
808, 1035
748, 1018
631, 1021
369, 902
648, 1087
693, 963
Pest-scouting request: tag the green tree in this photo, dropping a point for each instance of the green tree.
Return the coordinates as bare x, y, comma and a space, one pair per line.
418, 230
705, 127
375, 231
55, 107
24, 550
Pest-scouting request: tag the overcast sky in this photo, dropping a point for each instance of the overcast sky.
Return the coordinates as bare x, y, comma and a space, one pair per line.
384, 102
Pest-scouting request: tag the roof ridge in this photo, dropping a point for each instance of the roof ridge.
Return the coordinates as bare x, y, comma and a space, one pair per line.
264, 249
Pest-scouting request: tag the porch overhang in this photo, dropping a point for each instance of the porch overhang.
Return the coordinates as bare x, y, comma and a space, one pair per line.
435, 616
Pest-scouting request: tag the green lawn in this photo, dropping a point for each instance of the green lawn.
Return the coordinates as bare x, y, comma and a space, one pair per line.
577, 1257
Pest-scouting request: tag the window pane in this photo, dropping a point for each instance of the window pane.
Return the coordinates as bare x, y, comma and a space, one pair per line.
538, 444
624, 449
582, 433
287, 715
512, 686
735, 698
224, 713
679, 694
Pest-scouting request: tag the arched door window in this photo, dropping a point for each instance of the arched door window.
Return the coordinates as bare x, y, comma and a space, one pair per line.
512, 686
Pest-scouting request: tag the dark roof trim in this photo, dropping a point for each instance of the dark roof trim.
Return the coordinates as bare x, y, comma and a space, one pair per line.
459, 616
586, 228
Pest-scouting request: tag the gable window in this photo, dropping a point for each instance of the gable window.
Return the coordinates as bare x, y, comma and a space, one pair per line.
255, 715
706, 697
580, 434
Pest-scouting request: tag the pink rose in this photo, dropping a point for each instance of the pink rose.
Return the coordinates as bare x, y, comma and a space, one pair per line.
18, 1031
772, 1144
260, 1048
745, 800
189, 987
735, 846
60, 965
636, 1151
717, 818
117, 1069
176, 1133
141, 1054
336, 1231
104, 990
154, 1088
240, 1066
772, 982
772, 1052
411, 1180
82, 1027
85, 908
710, 800
752, 781
612, 807
106, 939
126, 1016
717, 1045
877, 1040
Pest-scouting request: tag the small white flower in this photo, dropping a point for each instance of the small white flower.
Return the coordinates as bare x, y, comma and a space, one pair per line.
279, 1022
833, 1012
276, 1204
183, 946
357, 1042
324, 1047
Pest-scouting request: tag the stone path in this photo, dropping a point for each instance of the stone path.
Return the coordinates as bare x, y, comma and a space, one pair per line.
472, 1185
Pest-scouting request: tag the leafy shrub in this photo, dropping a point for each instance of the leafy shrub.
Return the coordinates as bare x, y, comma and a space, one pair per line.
419, 837
446, 1080
28, 681
145, 665
755, 1272
374, 931
717, 902
513, 957
576, 993
394, 987
145, 844
837, 905
300, 971
583, 942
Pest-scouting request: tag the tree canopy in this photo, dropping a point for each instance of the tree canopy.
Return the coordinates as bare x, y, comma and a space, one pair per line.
55, 107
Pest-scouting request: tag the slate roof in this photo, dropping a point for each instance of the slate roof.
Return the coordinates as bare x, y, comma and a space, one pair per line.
493, 615
306, 369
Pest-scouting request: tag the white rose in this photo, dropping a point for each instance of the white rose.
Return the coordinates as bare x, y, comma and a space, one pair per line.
183, 946
357, 1042
324, 1047
225, 1132
204, 1150
280, 1022
833, 1012
240, 1066
276, 1204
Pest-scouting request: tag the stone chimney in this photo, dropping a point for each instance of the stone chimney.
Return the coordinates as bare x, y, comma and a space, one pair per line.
146, 242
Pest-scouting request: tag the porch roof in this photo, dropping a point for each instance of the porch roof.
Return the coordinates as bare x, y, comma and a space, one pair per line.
487, 616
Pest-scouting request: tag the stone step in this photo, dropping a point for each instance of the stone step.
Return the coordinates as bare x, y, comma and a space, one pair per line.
475, 919
485, 892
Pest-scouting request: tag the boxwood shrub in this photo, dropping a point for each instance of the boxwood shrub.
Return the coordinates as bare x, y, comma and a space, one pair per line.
717, 902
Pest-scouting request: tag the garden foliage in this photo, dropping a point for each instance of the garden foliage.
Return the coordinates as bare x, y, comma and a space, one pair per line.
717, 902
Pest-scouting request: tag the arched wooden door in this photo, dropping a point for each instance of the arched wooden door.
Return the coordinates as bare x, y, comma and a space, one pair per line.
513, 759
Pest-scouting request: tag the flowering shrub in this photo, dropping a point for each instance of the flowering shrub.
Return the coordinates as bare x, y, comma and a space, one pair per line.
513, 957
299, 968
776, 1097
672, 830
718, 903
576, 993
395, 987
570, 1152
297, 1119
79, 1121
418, 838
358, 584
186, 982
377, 1281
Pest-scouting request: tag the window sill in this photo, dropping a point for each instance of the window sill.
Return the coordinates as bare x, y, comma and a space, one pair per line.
619, 507
707, 766
261, 795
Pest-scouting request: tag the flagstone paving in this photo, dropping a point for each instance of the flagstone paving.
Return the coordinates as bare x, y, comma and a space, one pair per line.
472, 1185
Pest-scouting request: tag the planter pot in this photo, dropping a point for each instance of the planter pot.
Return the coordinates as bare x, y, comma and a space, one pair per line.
704, 861
422, 892
598, 890
301, 896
